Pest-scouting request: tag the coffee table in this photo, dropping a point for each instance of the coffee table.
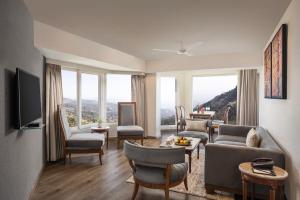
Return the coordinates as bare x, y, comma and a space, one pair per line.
195, 144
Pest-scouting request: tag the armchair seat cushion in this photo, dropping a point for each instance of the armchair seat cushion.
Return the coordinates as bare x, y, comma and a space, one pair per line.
85, 140
155, 175
130, 131
195, 134
230, 138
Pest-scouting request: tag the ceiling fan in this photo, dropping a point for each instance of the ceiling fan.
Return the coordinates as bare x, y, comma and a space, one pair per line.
182, 50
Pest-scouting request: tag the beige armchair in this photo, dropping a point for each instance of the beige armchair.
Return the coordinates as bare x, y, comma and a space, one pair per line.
127, 123
79, 142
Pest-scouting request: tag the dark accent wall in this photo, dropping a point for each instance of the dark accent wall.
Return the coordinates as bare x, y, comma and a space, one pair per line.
21, 152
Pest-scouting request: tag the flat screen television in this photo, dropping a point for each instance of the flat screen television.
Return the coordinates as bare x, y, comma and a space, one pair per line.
28, 98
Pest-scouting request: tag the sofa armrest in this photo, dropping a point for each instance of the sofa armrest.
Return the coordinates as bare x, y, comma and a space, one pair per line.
222, 161
234, 130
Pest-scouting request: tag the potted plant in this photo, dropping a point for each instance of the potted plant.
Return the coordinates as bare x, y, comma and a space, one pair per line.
99, 121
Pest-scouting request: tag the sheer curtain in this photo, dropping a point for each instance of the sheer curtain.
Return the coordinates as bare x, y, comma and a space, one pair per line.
138, 95
54, 97
247, 98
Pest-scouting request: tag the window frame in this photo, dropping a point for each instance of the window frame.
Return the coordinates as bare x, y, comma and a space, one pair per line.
105, 96
79, 73
167, 127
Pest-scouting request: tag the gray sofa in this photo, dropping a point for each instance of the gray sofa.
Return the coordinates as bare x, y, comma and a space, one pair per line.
223, 157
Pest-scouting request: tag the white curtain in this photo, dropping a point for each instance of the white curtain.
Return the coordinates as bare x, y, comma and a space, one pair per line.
54, 97
138, 95
247, 98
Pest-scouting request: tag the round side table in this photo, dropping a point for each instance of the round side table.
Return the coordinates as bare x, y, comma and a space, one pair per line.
275, 182
101, 130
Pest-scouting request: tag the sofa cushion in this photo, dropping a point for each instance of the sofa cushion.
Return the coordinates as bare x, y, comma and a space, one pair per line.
196, 125
195, 134
85, 140
231, 143
155, 175
130, 130
230, 138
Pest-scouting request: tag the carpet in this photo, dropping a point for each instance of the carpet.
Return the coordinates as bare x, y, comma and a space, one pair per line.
196, 181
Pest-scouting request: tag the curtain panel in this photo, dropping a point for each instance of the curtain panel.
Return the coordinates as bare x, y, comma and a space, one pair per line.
54, 97
247, 98
138, 95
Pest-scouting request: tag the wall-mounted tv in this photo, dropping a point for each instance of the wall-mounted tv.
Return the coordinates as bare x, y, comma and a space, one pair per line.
28, 98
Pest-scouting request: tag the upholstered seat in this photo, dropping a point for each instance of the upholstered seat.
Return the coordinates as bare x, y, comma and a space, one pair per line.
157, 168
85, 140
195, 134
130, 130
156, 175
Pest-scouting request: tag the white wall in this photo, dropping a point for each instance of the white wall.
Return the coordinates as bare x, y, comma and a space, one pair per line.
21, 152
281, 117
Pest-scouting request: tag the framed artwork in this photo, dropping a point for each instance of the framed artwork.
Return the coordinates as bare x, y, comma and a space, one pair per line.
268, 71
275, 66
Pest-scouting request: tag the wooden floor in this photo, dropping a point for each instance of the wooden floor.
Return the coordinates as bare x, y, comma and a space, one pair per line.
86, 179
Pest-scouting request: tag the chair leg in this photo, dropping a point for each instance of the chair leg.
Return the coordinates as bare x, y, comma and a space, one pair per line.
167, 196
70, 159
136, 189
186, 184
118, 145
65, 158
100, 156
142, 141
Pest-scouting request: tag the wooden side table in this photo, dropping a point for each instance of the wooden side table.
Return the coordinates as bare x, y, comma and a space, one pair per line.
101, 130
275, 182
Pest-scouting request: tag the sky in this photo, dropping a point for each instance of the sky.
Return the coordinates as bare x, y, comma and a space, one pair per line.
118, 86
207, 87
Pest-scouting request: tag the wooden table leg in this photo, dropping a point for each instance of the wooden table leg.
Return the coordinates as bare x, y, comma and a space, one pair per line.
198, 150
107, 135
190, 162
272, 193
245, 189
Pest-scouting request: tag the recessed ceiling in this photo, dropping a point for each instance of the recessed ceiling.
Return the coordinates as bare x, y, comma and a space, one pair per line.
138, 26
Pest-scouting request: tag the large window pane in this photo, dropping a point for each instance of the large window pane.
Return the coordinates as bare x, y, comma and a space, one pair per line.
167, 100
69, 85
118, 90
89, 99
216, 93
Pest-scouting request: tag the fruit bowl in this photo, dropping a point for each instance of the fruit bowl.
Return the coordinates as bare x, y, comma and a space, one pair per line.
182, 141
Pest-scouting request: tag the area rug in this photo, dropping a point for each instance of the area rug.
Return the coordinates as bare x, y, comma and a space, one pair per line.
196, 181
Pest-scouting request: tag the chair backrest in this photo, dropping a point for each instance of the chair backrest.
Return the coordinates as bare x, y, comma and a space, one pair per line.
127, 114
225, 116
153, 157
64, 122
180, 112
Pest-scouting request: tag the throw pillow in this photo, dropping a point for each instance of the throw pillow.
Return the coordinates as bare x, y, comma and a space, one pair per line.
252, 139
199, 125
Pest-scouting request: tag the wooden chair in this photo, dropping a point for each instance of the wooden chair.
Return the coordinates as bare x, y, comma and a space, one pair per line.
80, 142
127, 123
166, 168
180, 118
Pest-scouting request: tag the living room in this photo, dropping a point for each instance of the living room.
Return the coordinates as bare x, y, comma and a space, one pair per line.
149, 99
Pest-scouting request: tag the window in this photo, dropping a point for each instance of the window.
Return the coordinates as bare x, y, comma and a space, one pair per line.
69, 85
118, 89
167, 100
89, 99
216, 93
